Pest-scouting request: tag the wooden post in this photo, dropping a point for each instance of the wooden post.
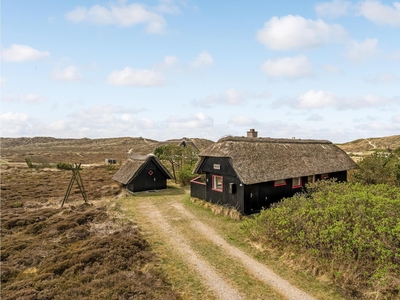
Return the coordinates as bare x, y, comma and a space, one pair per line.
76, 176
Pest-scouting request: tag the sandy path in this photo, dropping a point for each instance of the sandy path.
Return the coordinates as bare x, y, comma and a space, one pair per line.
257, 269
210, 277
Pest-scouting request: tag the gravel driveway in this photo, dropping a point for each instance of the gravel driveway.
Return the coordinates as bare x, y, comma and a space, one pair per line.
210, 277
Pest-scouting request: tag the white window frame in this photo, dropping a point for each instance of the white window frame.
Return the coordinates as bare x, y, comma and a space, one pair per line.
298, 183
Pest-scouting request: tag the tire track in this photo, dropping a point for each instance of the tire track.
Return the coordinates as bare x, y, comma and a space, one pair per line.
210, 278
257, 269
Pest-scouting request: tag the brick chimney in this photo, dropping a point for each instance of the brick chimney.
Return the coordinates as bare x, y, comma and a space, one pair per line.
252, 133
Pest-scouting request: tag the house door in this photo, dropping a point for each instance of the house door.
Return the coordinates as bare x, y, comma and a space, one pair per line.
151, 179
254, 203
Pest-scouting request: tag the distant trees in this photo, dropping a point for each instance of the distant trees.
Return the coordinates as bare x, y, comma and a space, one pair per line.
380, 168
180, 159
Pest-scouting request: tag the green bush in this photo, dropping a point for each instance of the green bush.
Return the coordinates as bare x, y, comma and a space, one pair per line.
28, 162
64, 166
380, 168
350, 232
184, 175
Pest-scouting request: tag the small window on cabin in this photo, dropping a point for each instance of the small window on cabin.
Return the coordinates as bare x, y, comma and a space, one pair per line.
217, 183
280, 182
296, 182
311, 178
325, 176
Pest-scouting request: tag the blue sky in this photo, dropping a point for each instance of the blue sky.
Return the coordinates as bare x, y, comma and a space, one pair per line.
170, 69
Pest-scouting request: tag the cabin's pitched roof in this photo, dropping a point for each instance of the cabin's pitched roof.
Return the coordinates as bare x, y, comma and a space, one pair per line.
258, 160
134, 165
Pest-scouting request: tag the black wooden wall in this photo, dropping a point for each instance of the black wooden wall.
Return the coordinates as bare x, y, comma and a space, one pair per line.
150, 177
262, 195
229, 197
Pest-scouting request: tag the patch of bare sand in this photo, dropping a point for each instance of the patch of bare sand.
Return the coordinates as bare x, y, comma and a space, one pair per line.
209, 276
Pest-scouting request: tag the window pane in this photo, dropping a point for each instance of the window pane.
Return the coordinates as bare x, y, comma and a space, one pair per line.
280, 182
296, 182
217, 183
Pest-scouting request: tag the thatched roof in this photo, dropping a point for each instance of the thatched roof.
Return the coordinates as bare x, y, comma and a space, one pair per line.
134, 165
184, 142
266, 159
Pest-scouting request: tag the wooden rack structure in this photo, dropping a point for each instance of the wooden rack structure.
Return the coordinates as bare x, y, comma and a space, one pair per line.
76, 176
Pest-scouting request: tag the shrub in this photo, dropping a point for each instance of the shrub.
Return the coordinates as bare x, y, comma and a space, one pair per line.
380, 168
184, 175
28, 162
64, 166
349, 231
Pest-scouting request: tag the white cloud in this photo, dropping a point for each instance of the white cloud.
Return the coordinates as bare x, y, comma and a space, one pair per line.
380, 13
56, 126
315, 99
336, 8
263, 95
361, 51
323, 99
367, 100
122, 15
168, 6
13, 124
376, 128
23, 98
203, 59
132, 77
242, 121
332, 69
228, 97
70, 73
103, 113
291, 67
315, 117
197, 121
2, 81
382, 78
170, 60
296, 32
21, 53
395, 55
396, 119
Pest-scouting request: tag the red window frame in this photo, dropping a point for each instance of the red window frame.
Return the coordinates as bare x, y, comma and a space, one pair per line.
299, 185
280, 184
214, 185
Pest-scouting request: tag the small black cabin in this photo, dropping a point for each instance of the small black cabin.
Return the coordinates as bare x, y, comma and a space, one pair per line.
143, 173
250, 173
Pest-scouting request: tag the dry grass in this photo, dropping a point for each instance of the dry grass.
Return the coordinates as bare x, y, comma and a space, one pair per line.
220, 210
80, 251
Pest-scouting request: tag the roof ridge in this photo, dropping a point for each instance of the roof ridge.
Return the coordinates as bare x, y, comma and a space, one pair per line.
271, 140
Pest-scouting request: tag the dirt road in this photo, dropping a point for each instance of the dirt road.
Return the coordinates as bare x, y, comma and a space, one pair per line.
194, 242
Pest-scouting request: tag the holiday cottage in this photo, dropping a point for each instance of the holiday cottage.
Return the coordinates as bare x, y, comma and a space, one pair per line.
143, 173
249, 173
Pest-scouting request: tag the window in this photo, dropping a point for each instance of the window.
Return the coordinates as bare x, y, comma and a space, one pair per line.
280, 182
311, 178
296, 182
324, 176
217, 183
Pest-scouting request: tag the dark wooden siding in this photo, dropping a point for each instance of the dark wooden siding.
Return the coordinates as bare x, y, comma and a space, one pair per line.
232, 188
150, 177
262, 195
198, 189
248, 199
